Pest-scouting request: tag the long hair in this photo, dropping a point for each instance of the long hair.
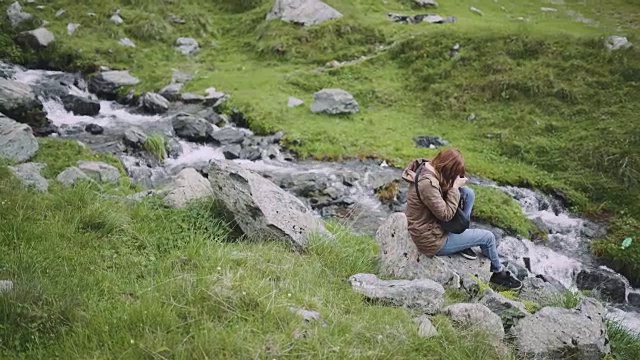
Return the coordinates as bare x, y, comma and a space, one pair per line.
449, 163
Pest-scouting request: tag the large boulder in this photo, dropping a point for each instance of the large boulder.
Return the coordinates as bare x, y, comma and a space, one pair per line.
607, 283
99, 171
305, 12
37, 39
16, 15
424, 295
80, 105
400, 257
261, 209
476, 315
17, 142
539, 291
334, 101
19, 102
189, 185
108, 83
154, 103
557, 333
192, 128
29, 175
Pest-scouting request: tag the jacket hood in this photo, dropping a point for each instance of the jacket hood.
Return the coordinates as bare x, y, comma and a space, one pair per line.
409, 172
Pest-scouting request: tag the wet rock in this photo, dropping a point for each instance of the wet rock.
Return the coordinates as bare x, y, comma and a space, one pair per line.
508, 310
607, 283
37, 39
175, 148
71, 175
556, 333
187, 45
305, 12
260, 208
334, 101
251, 153
189, 185
18, 101
94, 129
426, 3
127, 42
16, 15
617, 42
29, 175
134, 138
99, 171
430, 142
80, 105
154, 103
17, 142
171, 92
634, 298
232, 152
192, 128
423, 294
190, 98
229, 136
539, 291
108, 83
142, 174
6, 285
476, 315
425, 327
294, 102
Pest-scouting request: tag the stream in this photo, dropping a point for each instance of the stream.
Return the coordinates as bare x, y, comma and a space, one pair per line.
344, 191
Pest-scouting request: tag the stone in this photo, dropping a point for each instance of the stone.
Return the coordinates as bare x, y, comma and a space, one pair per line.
72, 27
305, 12
424, 295
189, 185
232, 152
634, 298
180, 77
334, 101
116, 19
509, 311
139, 196
548, 9
261, 209
99, 171
213, 97
94, 129
250, 153
617, 42
470, 285
127, 42
607, 283
143, 175
190, 98
16, 15
17, 143
134, 138
60, 12
306, 315
174, 148
187, 45
476, 315
71, 175
80, 105
29, 175
192, 128
557, 333
108, 83
400, 258
229, 136
37, 39
476, 11
19, 102
154, 103
426, 3
430, 142
171, 92
539, 291
6, 285
425, 327
294, 102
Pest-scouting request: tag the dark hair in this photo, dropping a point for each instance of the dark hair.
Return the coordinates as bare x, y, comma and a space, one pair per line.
449, 163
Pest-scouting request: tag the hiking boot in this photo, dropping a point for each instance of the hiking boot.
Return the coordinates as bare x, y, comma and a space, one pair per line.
469, 254
506, 280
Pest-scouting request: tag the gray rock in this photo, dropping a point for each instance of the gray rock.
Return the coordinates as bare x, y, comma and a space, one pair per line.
556, 333
70, 176
81, 105
94, 129
306, 315
190, 98
127, 42
548, 9
18, 101
305, 12
171, 92
214, 98
180, 77
539, 291
251, 153
116, 19
425, 327
139, 196
509, 311
192, 128
476, 11
60, 12
134, 138
174, 148
143, 175
37, 39
189, 185
426, 3
470, 285
187, 45
423, 294
430, 142
607, 283
261, 209
6, 285
16, 15
294, 102
334, 101
30, 176
99, 171
229, 136
109, 82
476, 315
617, 42
232, 152
17, 142
72, 27
154, 103
634, 298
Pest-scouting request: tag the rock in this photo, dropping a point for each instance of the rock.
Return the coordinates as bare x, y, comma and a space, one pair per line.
232, 152
476, 315
423, 294
306, 315
109, 82
6, 285
305, 12
229, 136
189, 185
537, 290
115, 17
189, 98
30, 176
634, 298
334, 101
430, 142
139, 196
94, 129
180, 77
617, 42
556, 333
214, 98
294, 102
19, 102
508, 310
16, 15
425, 327
99, 171
17, 142
174, 148
419, 18
607, 283
171, 92
476, 11
134, 138
154, 103
127, 42
175, 19
192, 128
37, 39
187, 45
548, 9
426, 3
72, 27
70, 176
251, 153
60, 12
81, 105
470, 285
400, 258
143, 175
260, 208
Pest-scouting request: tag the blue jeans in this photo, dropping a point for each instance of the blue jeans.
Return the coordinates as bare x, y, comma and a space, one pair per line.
472, 237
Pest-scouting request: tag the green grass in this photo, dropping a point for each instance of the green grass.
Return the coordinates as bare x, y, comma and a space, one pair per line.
156, 145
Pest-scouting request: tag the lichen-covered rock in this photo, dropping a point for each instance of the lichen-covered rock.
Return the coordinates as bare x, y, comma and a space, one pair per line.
187, 45
476, 315
16, 15
425, 327
510, 311
29, 175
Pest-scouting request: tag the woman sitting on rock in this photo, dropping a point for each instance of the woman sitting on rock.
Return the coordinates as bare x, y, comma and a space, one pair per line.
441, 186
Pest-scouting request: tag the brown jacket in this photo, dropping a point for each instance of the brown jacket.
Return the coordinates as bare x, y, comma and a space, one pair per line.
422, 217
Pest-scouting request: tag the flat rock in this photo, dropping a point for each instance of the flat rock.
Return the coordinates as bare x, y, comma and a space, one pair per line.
71, 175
426, 3
476, 315
261, 209
232, 152
229, 136
16, 15
192, 128
334, 101
154, 103
127, 42
607, 283
171, 92
29, 175
187, 45
305, 12
294, 102
423, 294
17, 142
190, 98
617, 42
80, 105
37, 39
94, 129
99, 171
509, 311
189, 185
109, 82
425, 327
19, 102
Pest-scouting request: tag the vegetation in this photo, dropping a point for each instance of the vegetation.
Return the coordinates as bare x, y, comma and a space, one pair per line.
156, 146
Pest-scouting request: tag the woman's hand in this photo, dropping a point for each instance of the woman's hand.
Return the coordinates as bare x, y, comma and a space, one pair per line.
459, 182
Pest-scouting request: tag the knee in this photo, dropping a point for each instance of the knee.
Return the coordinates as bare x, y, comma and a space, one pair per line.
467, 193
488, 238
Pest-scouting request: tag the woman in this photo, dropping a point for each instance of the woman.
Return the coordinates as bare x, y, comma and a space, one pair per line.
441, 186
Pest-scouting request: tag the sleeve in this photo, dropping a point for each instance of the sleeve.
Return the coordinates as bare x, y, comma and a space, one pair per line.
442, 208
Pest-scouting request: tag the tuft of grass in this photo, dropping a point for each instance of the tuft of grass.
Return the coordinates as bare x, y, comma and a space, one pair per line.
566, 299
624, 345
156, 145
